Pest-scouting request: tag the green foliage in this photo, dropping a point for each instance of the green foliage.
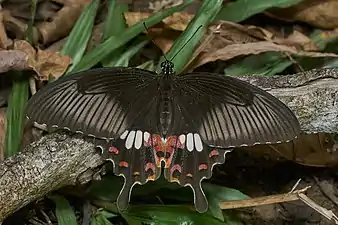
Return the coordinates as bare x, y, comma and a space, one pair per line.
184, 46
64, 213
80, 35
106, 48
114, 25
101, 217
240, 10
18, 100
16, 113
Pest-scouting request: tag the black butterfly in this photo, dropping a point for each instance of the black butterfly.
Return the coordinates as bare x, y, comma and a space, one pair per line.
141, 119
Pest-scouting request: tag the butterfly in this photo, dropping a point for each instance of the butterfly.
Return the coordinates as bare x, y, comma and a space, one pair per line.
146, 121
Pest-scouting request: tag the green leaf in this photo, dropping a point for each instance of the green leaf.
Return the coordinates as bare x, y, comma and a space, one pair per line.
269, 63
101, 217
111, 44
242, 9
16, 113
149, 65
168, 215
184, 46
64, 212
216, 193
114, 25
124, 58
80, 35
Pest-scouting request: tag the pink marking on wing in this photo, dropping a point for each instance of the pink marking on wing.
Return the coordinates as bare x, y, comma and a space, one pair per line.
114, 150
124, 164
148, 166
189, 175
174, 168
213, 153
156, 144
175, 142
202, 166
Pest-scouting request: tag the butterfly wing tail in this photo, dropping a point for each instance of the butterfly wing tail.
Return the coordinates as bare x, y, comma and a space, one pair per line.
189, 167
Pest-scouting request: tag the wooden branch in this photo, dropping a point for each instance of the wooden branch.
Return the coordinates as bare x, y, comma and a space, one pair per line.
311, 95
55, 161
58, 160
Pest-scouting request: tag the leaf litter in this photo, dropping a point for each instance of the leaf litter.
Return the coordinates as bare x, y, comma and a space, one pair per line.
224, 41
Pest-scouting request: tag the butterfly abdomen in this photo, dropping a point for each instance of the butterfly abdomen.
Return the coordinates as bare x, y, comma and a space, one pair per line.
165, 109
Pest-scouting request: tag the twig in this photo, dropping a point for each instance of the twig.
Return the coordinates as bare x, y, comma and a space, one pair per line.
266, 200
325, 212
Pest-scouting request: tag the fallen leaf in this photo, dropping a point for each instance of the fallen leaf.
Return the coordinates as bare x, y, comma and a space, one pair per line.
177, 21
319, 13
5, 42
62, 22
318, 150
234, 50
13, 59
46, 64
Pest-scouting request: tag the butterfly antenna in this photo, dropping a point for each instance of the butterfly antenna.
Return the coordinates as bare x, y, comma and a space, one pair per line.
144, 24
186, 42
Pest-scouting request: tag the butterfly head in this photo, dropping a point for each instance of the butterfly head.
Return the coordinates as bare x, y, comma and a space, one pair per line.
167, 67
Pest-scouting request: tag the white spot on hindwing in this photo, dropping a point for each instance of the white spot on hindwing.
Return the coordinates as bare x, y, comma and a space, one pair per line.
182, 139
198, 142
146, 136
124, 135
135, 138
130, 139
138, 139
190, 142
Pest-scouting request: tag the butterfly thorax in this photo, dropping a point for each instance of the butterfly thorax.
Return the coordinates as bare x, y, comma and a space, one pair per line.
165, 107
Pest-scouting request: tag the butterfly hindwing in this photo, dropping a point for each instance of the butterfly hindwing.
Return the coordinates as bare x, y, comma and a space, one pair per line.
188, 161
136, 155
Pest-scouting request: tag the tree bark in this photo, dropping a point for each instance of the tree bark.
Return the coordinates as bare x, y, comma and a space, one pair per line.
59, 159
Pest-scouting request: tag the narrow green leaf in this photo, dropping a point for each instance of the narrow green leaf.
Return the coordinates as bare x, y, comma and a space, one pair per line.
184, 46
168, 215
149, 65
124, 58
80, 35
114, 25
104, 49
240, 10
64, 212
16, 113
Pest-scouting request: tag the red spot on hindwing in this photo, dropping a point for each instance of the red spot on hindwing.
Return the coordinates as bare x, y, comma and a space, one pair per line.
113, 150
124, 164
213, 153
202, 166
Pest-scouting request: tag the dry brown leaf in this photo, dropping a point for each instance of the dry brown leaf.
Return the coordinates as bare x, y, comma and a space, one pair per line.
5, 42
13, 59
178, 21
319, 13
45, 64
319, 150
62, 23
234, 50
